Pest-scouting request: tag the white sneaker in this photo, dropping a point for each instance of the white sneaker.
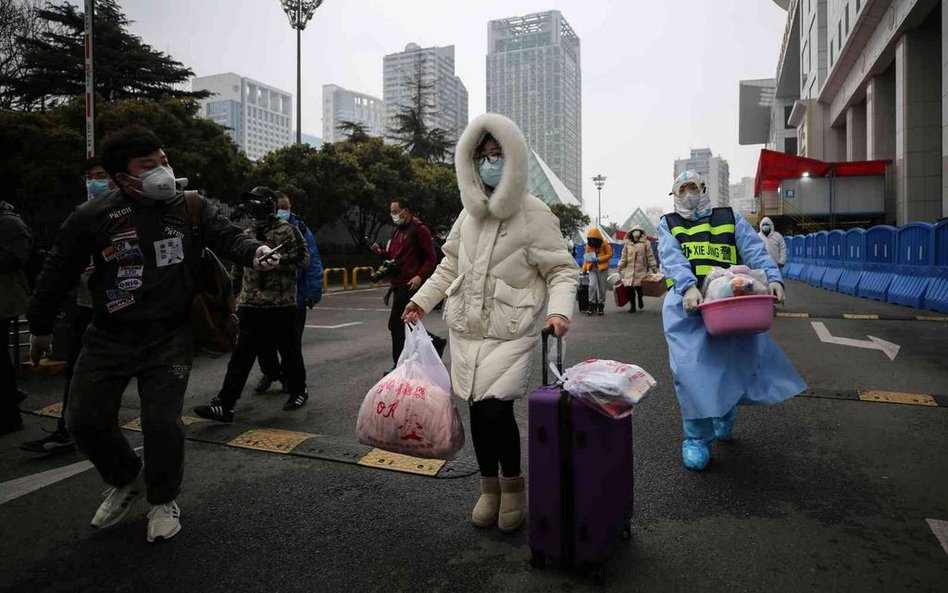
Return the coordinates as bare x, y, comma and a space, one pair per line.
118, 502
164, 521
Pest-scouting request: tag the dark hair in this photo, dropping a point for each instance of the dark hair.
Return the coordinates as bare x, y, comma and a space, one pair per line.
487, 136
126, 144
281, 195
403, 203
93, 163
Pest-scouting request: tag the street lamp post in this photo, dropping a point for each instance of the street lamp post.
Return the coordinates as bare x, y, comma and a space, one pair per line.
299, 13
599, 180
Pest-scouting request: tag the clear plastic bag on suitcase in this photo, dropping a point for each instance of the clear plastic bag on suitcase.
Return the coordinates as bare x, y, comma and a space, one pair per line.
611, 388
410, 410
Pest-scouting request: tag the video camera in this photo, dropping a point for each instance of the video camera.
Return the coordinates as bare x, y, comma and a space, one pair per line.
259, 204
388, 267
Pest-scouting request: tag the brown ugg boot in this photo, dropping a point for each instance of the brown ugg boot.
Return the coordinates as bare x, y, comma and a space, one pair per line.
488, 505
511, 504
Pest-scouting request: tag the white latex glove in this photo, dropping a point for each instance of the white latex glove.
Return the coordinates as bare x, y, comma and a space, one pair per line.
692, 299
268, 264
39, 345
776, 289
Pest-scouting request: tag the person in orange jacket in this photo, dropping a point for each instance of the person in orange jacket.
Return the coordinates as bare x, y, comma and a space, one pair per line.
596, 262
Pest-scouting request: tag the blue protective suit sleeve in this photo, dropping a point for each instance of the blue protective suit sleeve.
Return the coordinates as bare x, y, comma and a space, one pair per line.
674, 262
314, 274
753, 252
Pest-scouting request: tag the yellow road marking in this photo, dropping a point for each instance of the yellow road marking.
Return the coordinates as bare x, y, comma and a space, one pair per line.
401, 463
273, 440
859, 316
931, 318
896, 397
794, 315
53, 410
46, 366
136, 424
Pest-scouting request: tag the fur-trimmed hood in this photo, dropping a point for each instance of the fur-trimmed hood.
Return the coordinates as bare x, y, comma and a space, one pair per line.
509, 195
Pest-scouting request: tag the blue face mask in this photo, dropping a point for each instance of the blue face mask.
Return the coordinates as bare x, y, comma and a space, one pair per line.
283, 214
491, 173
97, 187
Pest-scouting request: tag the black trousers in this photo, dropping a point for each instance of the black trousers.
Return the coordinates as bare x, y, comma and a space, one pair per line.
270, 365
9, 406
261, 330
401, 295
81, 316
496, 437
636, 294
104, 369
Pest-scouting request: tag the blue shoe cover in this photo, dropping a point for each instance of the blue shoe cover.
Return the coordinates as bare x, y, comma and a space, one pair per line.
724, 426
695, 454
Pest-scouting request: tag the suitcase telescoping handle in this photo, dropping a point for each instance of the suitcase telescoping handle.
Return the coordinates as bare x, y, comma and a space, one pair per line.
545, 334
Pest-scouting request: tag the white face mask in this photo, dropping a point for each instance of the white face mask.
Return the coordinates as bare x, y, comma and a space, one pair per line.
691, 200
397, 219
158, 184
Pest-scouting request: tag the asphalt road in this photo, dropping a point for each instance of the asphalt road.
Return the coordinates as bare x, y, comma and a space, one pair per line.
823, 493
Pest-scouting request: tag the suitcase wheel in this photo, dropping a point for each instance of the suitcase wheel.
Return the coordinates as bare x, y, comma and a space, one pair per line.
537, 560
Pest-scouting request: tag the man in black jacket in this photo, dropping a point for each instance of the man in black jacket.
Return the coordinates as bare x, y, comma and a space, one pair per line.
142, 289
15, 250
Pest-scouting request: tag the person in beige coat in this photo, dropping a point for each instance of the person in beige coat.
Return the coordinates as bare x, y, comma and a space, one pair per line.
506, 274
636, 262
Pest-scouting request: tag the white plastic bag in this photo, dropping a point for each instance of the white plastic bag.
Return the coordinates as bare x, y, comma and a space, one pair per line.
410, 410
723, 283
609, 387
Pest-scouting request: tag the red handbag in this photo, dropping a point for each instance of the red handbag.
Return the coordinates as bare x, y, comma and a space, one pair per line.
621, 293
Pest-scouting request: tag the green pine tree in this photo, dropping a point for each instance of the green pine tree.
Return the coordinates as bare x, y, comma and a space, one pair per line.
52, 69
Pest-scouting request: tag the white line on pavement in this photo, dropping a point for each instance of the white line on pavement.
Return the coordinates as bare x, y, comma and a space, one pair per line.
355, 291
873, 343
941, 532
353, 309
341, 325
22, 486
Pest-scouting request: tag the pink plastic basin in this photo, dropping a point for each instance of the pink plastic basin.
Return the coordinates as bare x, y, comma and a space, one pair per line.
738, 315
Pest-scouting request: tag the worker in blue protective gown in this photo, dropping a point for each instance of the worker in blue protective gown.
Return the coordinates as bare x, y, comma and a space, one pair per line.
715, 374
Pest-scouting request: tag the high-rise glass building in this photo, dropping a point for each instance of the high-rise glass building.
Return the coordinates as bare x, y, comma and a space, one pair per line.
713, 169
534, 78
435, 65
256, 115
342, 105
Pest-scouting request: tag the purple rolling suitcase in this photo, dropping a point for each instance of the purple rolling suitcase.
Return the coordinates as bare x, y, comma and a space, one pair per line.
580, 491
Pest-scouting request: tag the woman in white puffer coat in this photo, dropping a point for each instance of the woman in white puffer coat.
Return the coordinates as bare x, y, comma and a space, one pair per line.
504, 263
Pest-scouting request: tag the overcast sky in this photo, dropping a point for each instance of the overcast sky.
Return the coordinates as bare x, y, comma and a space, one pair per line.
659, 77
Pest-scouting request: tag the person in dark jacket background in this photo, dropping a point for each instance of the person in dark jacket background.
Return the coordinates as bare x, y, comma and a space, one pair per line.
15, 251
98, 184
139, 238
309, 291
413, 251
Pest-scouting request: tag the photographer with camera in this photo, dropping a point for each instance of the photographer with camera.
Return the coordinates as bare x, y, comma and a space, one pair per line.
266, 306
309, 291
409, 260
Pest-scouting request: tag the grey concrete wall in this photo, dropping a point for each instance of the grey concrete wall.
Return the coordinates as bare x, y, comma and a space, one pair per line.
918, 129
944, 111
856, 132
880, 116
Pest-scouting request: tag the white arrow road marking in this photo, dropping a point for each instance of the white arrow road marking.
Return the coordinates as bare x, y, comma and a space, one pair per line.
941, 532
873, 343
341, 325
22, 486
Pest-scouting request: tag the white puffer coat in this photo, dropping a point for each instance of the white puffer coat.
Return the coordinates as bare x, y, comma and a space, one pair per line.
504, 263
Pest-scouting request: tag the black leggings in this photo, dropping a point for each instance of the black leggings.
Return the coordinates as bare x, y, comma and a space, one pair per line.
496, 437
636, 293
